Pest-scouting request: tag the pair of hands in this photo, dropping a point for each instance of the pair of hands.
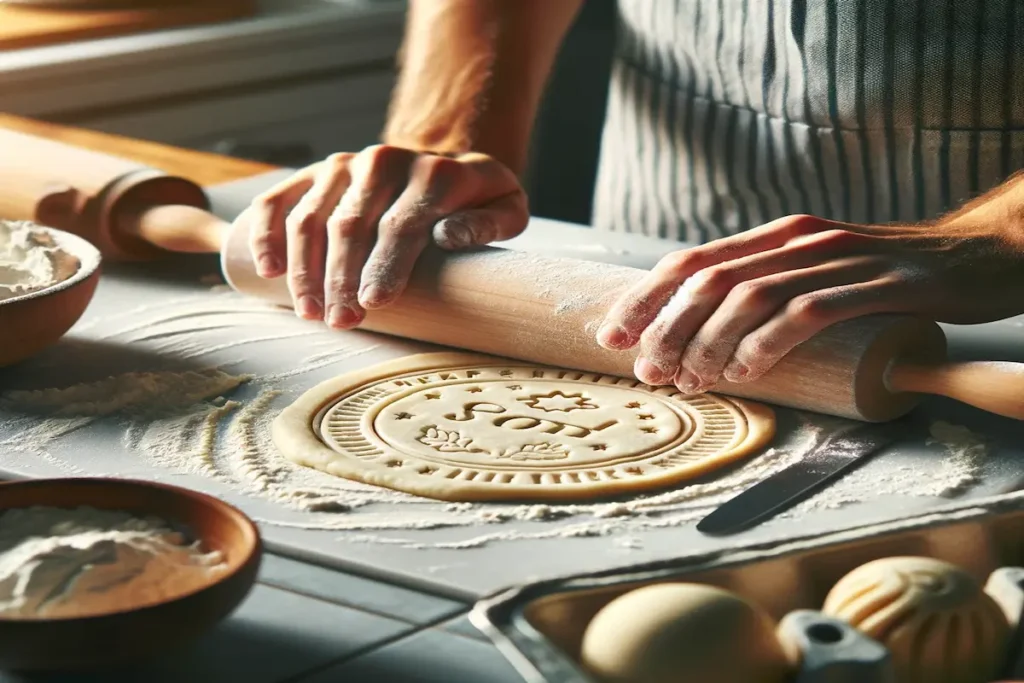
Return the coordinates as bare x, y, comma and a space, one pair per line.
347, 232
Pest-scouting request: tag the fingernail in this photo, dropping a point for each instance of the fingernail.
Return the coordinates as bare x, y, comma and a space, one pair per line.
613, 337
343, 316
648, 373
374, 295
687, 382
452, 234
736, 372
269, 264
310, 307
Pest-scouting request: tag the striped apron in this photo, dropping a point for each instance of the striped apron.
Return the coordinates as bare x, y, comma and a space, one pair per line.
725, 114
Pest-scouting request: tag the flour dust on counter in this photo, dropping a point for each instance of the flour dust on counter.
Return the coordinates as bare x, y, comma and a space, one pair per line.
222, 367
959, 467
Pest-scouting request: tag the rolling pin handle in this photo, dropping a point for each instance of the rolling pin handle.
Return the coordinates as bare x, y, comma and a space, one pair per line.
61, 206
178, 228
997, 387
126, 202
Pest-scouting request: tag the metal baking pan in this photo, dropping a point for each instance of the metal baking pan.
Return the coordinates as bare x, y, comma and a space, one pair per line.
539, 627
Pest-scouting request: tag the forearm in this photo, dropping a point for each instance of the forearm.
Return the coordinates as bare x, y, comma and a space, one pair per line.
1000, 211
472, 74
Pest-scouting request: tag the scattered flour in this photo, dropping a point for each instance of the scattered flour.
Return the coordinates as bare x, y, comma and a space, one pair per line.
78, 562
953, 472
549, 279
966, 455
31, 260
216, 425
132, 392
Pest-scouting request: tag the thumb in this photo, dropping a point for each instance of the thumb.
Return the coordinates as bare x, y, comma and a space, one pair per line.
500, 220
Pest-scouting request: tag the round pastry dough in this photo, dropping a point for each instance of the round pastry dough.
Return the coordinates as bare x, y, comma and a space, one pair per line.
464, 427
684, 633
937, 622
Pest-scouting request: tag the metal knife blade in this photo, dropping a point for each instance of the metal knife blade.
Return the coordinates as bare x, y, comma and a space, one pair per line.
832, 457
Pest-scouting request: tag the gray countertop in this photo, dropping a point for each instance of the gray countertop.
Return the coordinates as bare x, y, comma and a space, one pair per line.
161, 317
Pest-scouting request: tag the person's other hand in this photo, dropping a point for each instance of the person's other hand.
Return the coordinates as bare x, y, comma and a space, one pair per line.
735, 306
347, 231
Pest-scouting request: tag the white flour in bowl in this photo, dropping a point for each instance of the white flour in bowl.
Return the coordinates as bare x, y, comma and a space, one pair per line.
31, 260
59, 563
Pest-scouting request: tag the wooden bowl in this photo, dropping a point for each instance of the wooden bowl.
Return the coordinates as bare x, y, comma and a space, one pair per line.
142, 631
32, 322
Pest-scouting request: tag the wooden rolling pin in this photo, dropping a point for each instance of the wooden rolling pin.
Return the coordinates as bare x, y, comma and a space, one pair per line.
502, 302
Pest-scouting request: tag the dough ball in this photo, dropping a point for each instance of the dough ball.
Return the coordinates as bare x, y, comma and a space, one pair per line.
936, 620
684, 633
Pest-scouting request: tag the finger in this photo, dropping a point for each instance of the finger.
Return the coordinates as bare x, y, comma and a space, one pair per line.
347, 247
638, 307
663, 342
749, 305
500, 220
437, 186
377, 173
307, 236
405, 230
267, 241
807, 315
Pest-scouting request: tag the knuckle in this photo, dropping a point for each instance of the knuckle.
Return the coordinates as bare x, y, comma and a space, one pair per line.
267, 201
303, 223
299, 280
379, 156
338, 160
400, 225
700, 355
802, 224
658, 343
344, 226
807, 309
678, 264
838, 238
752, 295
757, 348
436, 170
262, 243
340, 288
714, 280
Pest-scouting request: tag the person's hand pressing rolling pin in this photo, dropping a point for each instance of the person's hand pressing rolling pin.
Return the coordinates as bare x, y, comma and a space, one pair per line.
346, 232
713, 128
734, 307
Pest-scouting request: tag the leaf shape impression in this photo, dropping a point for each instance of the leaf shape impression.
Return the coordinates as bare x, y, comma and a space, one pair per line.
447, 441
536, 452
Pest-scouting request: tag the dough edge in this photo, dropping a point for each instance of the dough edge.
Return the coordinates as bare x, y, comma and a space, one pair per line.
292, 436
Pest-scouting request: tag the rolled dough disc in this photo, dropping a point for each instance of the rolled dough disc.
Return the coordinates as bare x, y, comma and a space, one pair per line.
465, 427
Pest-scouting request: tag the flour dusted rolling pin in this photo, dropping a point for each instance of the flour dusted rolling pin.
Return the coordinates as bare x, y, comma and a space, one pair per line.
497, 301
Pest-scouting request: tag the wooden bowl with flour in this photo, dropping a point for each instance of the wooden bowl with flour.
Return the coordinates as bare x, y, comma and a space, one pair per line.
47, 279
101, 572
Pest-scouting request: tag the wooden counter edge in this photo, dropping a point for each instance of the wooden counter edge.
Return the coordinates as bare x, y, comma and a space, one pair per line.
204, 168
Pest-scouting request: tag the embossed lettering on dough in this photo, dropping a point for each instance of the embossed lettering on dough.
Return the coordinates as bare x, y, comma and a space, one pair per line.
551, 426
469, 410
522, 422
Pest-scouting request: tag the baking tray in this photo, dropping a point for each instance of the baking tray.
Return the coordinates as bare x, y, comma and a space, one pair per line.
539, 627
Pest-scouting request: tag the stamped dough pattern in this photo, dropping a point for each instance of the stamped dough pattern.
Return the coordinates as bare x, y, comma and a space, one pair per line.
523, 431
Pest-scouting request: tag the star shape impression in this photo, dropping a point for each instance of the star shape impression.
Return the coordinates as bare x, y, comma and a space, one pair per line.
558, 402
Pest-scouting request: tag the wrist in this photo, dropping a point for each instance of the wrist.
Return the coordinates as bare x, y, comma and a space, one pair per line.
998, 213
